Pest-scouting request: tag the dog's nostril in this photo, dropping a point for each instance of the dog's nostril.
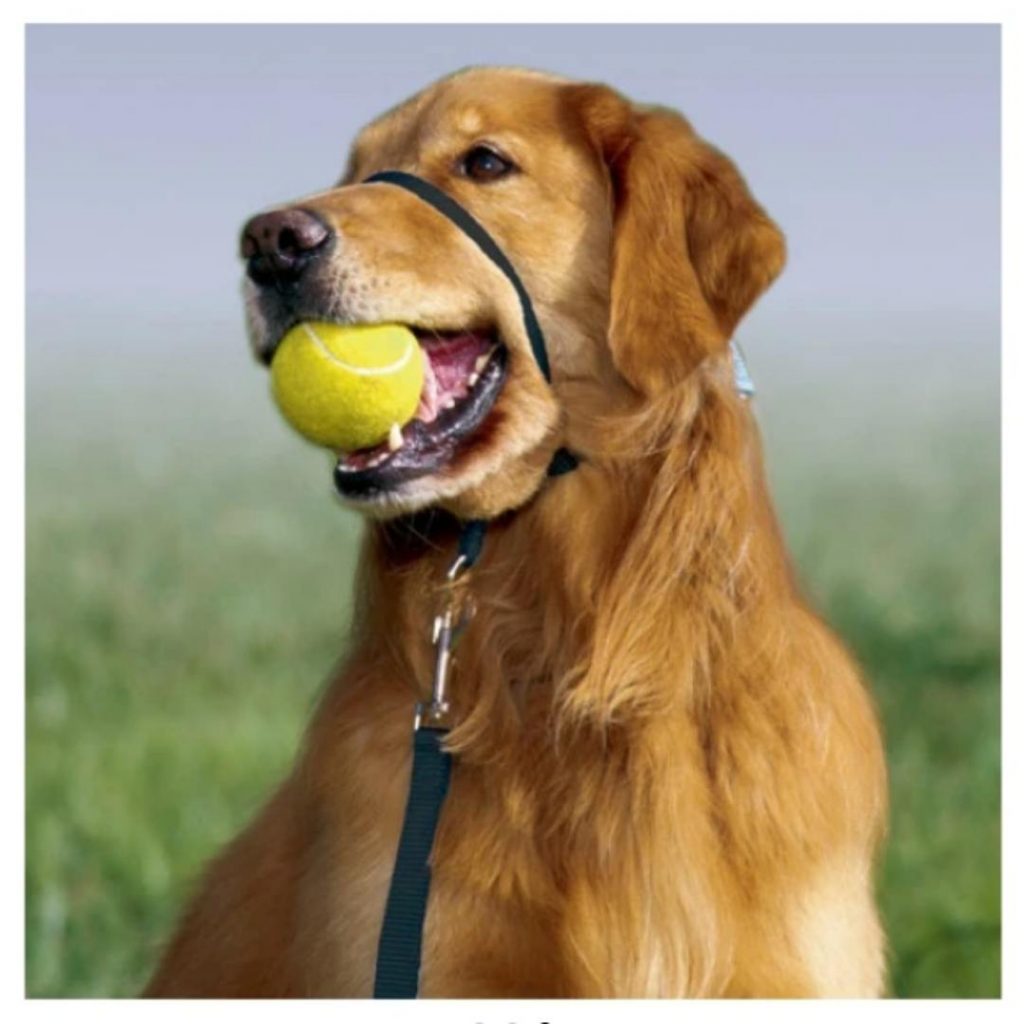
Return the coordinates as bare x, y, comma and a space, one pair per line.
288, 242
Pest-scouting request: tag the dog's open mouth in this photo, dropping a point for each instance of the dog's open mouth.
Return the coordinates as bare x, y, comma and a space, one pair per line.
464, 373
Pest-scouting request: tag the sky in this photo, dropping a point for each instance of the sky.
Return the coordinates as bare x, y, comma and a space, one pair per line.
876, 148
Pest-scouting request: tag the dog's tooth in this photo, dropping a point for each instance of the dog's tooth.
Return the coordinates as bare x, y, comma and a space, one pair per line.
395, 438
481, 362
448, 403
473, 378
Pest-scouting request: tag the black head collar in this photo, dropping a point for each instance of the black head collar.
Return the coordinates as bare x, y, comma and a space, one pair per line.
563, 460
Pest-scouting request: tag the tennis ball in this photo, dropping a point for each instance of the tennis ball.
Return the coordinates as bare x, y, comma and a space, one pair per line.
343, 387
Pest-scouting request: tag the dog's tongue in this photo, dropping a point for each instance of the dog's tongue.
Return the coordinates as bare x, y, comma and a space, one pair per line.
448, 364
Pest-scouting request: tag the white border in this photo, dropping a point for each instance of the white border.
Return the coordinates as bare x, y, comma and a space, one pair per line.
524, 11
538, 11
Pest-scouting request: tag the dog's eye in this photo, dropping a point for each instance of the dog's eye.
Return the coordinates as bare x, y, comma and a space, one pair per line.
482, 163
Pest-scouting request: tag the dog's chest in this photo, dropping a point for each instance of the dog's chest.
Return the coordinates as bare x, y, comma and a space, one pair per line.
490, 871
515, 827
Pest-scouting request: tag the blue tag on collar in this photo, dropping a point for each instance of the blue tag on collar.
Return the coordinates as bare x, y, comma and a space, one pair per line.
741, 375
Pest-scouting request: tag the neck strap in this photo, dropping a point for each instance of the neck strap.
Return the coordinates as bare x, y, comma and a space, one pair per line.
563, 460
469, 225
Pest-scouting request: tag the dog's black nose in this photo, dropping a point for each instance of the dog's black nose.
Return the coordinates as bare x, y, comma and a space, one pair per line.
280, 245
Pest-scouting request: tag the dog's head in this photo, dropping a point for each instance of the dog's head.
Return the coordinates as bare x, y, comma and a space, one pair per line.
639, 244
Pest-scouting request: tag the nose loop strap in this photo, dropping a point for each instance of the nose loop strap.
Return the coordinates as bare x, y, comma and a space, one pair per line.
462, 219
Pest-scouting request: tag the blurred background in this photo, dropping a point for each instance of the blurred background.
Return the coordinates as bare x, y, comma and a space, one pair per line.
189, 574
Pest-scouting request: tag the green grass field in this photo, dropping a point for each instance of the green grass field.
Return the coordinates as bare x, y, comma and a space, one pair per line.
188, 590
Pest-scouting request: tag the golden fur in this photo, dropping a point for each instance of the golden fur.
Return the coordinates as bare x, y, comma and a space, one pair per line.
668, 776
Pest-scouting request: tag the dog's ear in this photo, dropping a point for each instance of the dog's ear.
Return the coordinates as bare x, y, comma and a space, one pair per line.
692, 248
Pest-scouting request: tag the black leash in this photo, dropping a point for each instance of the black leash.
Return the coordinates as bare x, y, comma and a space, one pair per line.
399, 952
401, 939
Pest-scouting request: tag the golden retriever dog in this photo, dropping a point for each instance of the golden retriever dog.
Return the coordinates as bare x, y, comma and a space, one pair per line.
667, 774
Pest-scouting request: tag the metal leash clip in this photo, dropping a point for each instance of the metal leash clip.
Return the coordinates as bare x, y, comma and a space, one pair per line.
448, 626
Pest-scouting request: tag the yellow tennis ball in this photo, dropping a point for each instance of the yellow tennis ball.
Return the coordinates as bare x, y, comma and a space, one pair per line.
343, 387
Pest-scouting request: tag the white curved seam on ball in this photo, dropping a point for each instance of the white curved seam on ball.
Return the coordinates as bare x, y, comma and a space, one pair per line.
360, 371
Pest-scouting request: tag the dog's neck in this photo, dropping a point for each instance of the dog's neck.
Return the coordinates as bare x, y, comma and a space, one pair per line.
580, 593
